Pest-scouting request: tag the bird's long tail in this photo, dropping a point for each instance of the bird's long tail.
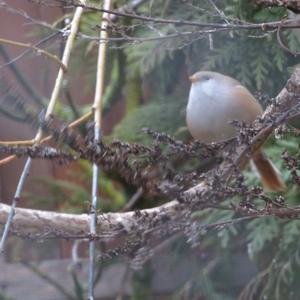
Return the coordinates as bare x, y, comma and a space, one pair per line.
268, 173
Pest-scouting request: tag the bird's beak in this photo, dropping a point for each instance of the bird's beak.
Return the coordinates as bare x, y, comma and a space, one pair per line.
193, 78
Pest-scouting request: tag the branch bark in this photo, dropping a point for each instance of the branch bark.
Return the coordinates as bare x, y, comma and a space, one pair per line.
47, 224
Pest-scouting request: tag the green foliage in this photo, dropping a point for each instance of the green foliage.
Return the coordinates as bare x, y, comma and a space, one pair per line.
261, 232
252, 60
253, 57
200, 286
271, 243
279, 280
165, 115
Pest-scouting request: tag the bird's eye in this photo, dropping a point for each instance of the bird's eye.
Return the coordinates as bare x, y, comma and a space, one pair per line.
205, 78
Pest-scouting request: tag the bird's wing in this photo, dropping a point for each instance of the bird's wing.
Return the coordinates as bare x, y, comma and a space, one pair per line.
246, 103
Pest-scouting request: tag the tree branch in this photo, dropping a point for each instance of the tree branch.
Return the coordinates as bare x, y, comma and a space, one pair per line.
36, 50
40, 224
293, 5
227, 26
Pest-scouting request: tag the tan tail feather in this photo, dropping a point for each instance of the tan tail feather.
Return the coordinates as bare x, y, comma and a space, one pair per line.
269, 175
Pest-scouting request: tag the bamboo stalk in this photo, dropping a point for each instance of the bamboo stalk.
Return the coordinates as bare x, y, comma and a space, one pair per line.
97, 106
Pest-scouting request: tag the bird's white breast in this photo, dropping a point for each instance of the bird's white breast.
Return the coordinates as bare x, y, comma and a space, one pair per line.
207, 111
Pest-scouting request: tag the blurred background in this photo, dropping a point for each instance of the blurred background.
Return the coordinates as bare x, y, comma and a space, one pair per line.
146, 86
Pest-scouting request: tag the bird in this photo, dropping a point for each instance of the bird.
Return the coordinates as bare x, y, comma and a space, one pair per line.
214, 101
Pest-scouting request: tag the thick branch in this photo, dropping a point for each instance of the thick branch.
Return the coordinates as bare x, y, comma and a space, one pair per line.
30, 222
40, 224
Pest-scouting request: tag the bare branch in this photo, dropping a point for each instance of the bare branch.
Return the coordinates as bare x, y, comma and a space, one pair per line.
283, 46
230, 26
35, 49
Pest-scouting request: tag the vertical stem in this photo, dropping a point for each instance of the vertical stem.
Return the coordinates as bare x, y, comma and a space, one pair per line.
101, 66
65, 61
14, 203
97, 106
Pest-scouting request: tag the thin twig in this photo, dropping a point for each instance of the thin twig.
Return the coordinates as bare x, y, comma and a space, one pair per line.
136, 196
136, 40
36, 49
220, 12
20, 12
231, 26
42, 41
282, 45
16, 198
